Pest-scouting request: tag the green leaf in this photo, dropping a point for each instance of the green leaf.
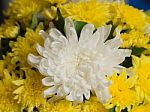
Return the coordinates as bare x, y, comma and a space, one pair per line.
137, 51
112, 110
78, 26
148, 12
34, 21
60, 22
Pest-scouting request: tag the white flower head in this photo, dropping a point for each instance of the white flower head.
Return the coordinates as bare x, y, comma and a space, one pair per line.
75, 67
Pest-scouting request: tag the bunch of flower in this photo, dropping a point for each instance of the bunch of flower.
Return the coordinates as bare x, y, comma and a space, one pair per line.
74, 56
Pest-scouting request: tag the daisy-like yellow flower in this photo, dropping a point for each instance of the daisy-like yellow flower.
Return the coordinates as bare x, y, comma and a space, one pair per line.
11, 67
1, 67
91, 11
62, 106
9, 63
7, 102
29, 91
25, 45
141, 68
56, 1
147, 50
50, 13
122, 91
91, 105
23, 10
141, 108
134, 39
132, 17
9, 29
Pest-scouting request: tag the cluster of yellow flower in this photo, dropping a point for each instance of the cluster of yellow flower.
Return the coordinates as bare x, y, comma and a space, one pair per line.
20, 84
132, 91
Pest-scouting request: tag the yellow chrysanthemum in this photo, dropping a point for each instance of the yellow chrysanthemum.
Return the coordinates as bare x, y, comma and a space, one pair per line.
9, 29
1, 67
7, 102
92, 105
134, 39
29, 92
91, 12
122, 91
147, 50
132, 17
26, 45
59, 106
141, 108
141, 68
9, 64
23, 10
50, 13
56, 1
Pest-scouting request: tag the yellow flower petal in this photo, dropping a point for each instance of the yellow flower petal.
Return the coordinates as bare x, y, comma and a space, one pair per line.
18, 82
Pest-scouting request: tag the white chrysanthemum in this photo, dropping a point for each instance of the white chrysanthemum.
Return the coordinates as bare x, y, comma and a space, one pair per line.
74, 67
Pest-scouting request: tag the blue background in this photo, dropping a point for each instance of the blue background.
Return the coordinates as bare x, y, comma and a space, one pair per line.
141, 4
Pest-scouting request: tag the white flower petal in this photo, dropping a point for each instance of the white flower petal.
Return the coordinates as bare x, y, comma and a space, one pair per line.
87, 95
47, 43
42, 70
40, 49
44, 63
50, 91
43, 34
106, 31
55, 34
79, 99
70, 97
72, 36
68, 24
102, 93
34, 60
56, 45
63, 40
115, 42
70, 31
86, 33
48, 81
60, 92
66, 89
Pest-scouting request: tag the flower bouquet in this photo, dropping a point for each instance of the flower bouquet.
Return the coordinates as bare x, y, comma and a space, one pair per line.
74, 56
